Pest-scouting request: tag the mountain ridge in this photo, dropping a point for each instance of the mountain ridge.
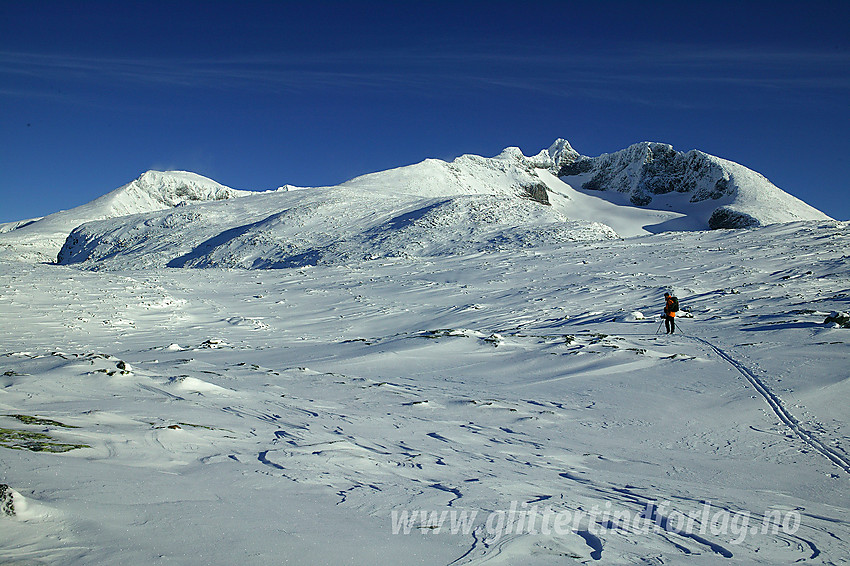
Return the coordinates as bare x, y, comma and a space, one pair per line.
470, 204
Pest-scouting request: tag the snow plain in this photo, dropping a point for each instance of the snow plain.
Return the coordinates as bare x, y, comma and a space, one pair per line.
304, 415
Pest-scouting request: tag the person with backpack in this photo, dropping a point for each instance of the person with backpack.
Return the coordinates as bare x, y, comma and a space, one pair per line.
670, 307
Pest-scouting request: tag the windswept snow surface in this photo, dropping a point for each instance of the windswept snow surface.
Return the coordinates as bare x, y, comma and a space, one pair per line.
40, 239
498, 405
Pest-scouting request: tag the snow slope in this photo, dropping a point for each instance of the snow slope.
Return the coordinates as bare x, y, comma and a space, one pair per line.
513, 174
41, 239
377, 216
321, 226
507, 405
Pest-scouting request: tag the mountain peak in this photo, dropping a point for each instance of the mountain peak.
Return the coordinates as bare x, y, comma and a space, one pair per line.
165, 189
40, 240
562, 153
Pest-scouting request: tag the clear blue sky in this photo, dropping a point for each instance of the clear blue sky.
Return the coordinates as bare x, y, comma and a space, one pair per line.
259, 94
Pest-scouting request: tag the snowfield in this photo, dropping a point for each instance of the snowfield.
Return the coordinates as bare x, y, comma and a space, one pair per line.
397, 371
261, 414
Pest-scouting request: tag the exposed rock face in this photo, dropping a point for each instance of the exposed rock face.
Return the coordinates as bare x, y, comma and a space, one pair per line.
537, 192
841, 319
648, 169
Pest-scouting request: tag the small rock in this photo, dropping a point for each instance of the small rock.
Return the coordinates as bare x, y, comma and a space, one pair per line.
841, 319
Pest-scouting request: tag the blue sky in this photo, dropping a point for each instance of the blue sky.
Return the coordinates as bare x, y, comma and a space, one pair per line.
259, 94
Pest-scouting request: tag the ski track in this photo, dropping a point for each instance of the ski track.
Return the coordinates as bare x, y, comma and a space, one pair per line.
779, 408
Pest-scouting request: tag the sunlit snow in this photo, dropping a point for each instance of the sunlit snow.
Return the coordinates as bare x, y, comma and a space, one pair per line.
427, 365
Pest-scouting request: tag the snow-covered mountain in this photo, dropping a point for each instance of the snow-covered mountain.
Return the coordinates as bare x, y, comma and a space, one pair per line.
714, 192
430, 208
443, 208
40, 239
691, 191
331, 225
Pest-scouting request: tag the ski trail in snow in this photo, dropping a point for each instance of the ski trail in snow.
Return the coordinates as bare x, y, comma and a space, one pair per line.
778, 408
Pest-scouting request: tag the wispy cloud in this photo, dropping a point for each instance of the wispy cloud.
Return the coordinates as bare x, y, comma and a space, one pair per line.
589, 73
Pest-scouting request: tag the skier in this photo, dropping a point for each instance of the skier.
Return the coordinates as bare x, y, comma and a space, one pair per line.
671, 305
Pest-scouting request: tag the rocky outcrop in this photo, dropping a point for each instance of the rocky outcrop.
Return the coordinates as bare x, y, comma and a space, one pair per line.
648, 169
726, 218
